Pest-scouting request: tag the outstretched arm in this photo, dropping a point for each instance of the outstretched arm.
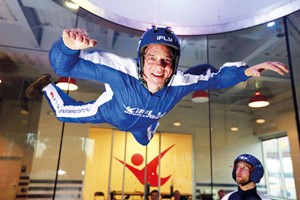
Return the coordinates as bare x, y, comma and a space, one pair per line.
68, 58
65, 56
256, 70
231, 74
77, 39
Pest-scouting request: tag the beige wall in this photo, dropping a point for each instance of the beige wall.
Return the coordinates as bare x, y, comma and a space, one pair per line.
105, 173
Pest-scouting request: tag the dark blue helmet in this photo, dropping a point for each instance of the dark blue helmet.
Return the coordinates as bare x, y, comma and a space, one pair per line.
257, 170
158, 35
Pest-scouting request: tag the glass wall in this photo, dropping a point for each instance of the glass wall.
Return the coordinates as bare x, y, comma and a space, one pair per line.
230, 106
43, 158
292, 29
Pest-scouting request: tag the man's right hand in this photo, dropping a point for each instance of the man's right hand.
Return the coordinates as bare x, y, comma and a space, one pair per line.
77, 39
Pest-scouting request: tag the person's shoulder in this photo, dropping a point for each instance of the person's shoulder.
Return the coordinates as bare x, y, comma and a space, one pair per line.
228, 195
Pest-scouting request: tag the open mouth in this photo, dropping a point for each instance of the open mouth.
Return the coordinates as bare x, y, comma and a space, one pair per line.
157, 75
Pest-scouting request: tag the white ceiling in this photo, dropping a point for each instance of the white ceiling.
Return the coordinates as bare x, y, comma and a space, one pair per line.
190, 17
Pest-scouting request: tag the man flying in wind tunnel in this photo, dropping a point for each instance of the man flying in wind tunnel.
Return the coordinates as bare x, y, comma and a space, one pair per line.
139, 91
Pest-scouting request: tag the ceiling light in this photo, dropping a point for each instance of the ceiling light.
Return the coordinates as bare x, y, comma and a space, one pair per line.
24, 112
260, 120
234, 129
67, 83
258, 101
61, 172
200, 96
177, 124
24, 108
270, 24
72, 5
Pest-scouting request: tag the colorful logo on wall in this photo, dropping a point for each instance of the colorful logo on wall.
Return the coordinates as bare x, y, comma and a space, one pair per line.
151, 168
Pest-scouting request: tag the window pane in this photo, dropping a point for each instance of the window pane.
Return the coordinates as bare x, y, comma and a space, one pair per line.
278, 168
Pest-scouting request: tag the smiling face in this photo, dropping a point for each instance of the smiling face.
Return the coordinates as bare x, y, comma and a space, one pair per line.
158, 66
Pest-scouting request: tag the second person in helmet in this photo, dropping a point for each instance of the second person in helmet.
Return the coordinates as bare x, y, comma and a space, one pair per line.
247, 172
139, 91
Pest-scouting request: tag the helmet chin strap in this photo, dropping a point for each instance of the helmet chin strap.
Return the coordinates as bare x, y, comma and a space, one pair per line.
144, 75
142, 80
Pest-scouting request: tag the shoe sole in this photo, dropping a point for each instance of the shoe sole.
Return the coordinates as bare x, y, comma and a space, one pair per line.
32, 88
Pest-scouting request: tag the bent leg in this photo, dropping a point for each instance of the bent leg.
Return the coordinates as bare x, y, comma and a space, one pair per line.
68, 109
144, 136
